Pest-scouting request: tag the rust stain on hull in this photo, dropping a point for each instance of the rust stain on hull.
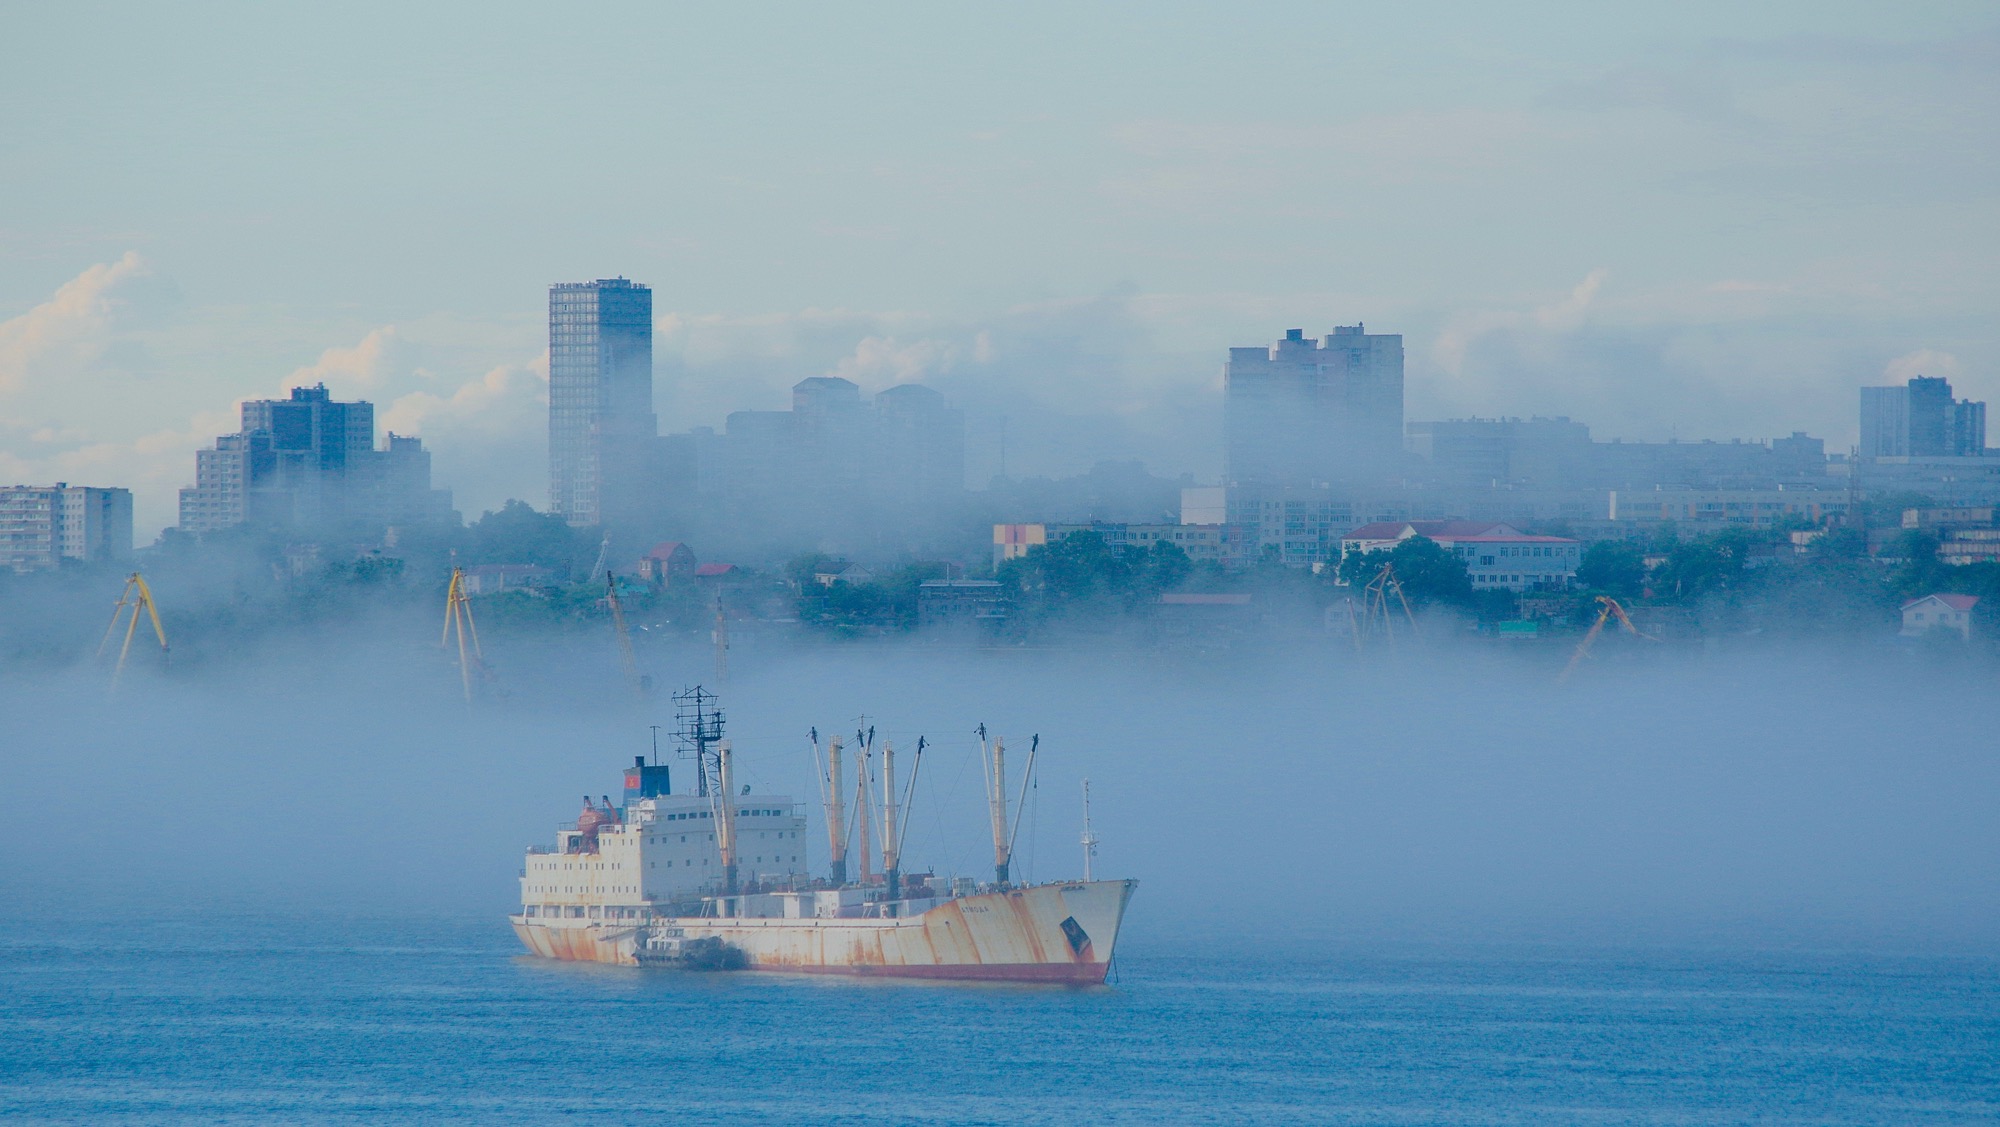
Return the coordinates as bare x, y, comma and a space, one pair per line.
1047, 933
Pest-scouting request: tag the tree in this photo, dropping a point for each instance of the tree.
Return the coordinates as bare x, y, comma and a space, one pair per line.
1083, 575
517, 534
1695, 568
1616, 568
1428, 572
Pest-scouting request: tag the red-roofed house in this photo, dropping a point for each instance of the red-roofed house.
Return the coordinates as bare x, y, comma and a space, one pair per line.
667, 563
1496, 555
716, 571
1939, 612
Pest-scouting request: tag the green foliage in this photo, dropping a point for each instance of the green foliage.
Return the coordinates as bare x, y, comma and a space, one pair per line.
517, 534
1840, 544
1695, 568
1082, 576
1428, 572
1614, 568
886, 603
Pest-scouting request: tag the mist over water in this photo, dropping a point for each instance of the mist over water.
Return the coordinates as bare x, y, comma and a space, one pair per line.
1269, 798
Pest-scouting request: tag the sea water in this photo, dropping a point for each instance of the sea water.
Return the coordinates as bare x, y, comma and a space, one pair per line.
312, 1019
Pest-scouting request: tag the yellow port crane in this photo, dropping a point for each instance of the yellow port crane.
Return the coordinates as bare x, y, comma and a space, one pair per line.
1376, 613
1609, 609
136, 597
641, 684
458, 620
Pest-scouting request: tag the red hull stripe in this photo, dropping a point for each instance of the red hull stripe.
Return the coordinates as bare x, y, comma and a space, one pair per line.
1080, 973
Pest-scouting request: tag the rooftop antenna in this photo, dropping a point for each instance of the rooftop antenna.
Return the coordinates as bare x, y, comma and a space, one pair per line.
656, 743
1089, 839
137, 597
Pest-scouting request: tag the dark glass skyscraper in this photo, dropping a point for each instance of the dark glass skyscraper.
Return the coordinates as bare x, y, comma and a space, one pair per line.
601, 422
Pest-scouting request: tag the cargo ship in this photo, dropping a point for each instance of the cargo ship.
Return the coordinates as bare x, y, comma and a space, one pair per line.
716, 878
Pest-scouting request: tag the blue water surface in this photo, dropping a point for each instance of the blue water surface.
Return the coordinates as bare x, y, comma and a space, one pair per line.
306, 1020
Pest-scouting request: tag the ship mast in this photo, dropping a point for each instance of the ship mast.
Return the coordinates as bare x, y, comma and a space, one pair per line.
836, 815
1089, 839
995, 760
698, 727
725, 826
892, 874
862, 811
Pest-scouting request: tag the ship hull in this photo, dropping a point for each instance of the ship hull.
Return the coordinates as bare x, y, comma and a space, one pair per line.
1058, 933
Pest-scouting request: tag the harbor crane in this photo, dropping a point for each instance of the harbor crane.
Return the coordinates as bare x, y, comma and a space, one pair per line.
458, 621
1608, 610
641, 684
1377, 613
137, 597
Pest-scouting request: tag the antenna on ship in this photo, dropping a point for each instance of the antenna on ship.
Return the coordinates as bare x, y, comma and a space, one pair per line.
1089, 839
698, 727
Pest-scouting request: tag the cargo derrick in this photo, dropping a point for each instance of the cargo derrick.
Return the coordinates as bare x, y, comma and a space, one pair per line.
717, 880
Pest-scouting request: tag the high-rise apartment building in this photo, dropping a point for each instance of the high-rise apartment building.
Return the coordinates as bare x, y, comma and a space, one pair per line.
1315, 410
41, 525
602, 429
1921, 420
310, 462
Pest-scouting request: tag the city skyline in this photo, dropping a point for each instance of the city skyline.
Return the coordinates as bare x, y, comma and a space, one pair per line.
1703, 222
661, 467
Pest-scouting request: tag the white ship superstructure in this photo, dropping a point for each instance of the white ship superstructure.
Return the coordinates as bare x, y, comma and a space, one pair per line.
718, 879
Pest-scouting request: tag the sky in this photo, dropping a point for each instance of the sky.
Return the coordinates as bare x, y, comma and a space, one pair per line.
1700, 220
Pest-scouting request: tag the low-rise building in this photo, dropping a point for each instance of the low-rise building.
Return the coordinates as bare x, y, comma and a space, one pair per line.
1945, 519
41, 525
1933, 613
1759, 508
668, 563
841, 571
1219, 543
1496, 556
492, 579
1962, 546
958, 602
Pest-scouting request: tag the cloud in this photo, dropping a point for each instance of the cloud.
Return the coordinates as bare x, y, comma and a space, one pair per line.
364, 367
488, 437
879, 362
1923, 362
71, 329
1560, 316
